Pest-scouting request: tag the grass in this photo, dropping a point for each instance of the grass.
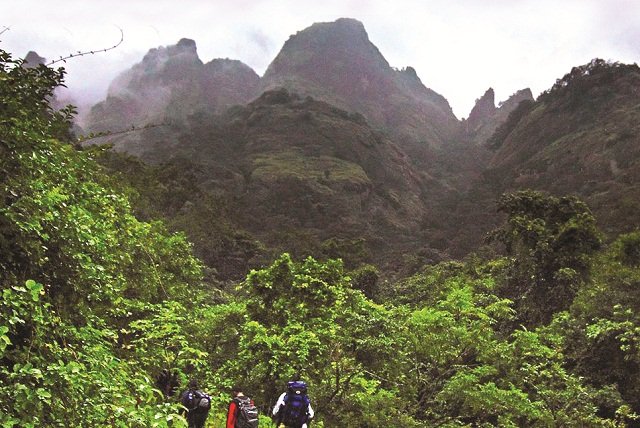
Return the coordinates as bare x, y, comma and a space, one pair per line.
294, 164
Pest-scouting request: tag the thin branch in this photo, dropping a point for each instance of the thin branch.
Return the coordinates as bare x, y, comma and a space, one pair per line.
65, 58
93, 136
5, 29
380, 378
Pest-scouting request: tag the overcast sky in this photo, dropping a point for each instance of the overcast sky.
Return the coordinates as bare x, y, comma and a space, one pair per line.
459, 48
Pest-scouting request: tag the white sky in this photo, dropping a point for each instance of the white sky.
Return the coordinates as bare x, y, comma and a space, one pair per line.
459, 48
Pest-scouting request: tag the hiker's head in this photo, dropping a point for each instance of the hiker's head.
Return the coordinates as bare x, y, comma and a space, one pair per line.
236, 390
193, 384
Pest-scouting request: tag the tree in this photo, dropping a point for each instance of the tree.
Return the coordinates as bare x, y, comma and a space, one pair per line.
305, 317
78, 271
549, 242
469, 371
602, 328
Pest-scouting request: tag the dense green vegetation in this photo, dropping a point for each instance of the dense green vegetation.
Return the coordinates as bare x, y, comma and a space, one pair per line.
95, 302
81, 276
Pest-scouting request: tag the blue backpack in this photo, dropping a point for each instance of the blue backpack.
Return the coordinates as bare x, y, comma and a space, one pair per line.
296, 404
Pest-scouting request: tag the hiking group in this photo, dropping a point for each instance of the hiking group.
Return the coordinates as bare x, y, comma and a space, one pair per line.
292, 410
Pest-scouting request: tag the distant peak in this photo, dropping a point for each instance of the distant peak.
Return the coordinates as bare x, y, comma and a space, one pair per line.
410, 71
184, 50
33, 59
489, 94
410, 75
487, 100
484, 108
183, 47
350, 23
340, 28
523, 93
516, 98
231, 67
186, 43
226, 63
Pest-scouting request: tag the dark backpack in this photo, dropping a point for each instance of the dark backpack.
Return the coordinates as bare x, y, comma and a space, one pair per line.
203, 401
196, 401
296, 404
247, 416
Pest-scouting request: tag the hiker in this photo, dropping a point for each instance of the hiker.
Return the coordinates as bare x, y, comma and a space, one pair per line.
242, 411
167, 382
197, 404
293, 408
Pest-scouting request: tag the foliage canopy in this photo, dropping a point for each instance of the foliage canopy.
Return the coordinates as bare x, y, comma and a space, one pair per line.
94, 303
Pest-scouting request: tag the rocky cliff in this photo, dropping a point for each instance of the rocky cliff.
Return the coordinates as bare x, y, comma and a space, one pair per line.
485, 117
336, 62
168, 85
581, 137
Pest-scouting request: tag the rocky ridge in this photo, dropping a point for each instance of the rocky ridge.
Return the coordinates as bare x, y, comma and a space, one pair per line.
332, 142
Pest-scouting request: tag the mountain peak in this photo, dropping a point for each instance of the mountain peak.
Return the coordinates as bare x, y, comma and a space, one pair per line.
339, 28
337, 63
410, 72
185, 51
484, 109
349, 22
33, 60
187, 44
172, 82
345, 24
324, 45
515, 99
485, 117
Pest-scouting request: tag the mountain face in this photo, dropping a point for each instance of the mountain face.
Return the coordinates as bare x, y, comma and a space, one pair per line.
340, 145
170, 84
483, 110
336, 62
297, 172
333, 143
581, 137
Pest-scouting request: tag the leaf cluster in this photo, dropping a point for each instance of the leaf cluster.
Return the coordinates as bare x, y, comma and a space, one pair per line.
81, 278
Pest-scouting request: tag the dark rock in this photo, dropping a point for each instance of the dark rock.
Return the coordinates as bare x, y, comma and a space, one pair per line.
33, 60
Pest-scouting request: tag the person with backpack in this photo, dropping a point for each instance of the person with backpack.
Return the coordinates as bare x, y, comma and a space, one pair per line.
197, 405
242, 412
167, 382
293, 408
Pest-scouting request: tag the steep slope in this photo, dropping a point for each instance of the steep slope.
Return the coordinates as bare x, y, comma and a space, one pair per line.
365, 150
336, 62
580, 137
299, 174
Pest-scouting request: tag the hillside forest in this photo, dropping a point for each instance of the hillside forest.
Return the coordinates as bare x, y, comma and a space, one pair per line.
108, 279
